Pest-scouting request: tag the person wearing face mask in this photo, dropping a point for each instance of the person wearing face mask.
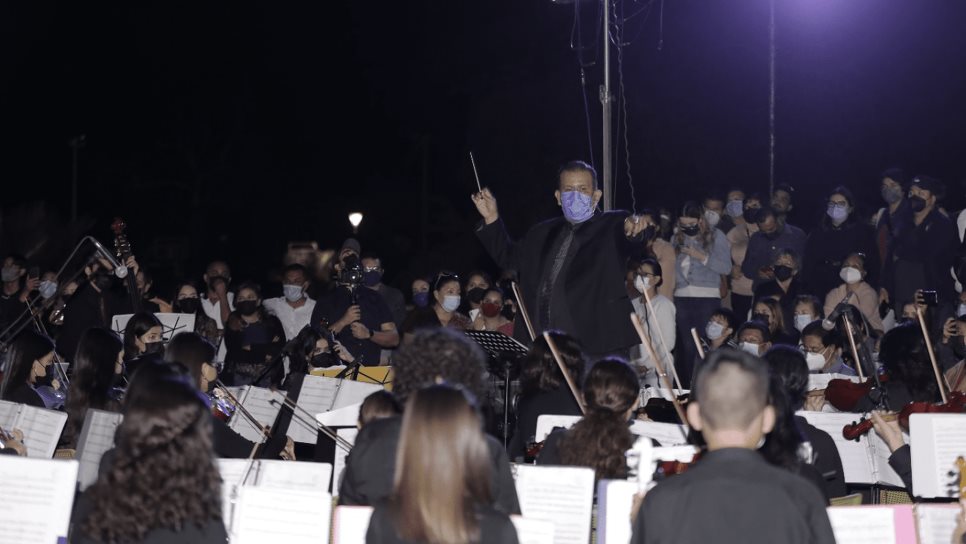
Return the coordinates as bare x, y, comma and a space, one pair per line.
187, 301
856, 291
894, 217
294, 308
571, 268
781, 201
738, 236
754, 338
95, 376
218, 301
93, 304
703, 257
28, 361
770, 312
420, 294
785, 286
951, 353
372, 276
253, 339
714, 213
16, 289
838, 235
823, 353
444, 311
142, 342
476, 284
658, 324
764, 245
807, 309
659, 249
924, 251
150, 301
490, 317
720, 330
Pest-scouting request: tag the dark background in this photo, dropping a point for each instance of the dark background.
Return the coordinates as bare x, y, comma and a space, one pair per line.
227, 129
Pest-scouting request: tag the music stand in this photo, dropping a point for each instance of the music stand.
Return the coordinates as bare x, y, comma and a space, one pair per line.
500, 347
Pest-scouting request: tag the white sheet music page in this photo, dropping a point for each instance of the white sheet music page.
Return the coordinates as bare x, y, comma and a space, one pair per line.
271, 514
349, 433
36, 501
533, 531
936, 441
347, 416
880, 453
615, 499
549, 422
863, 524
350, 524
8, 414
263, 404
666, 434
562, 495
231, 471
96, 437
41, 430
936, 522
856, 458
301, 475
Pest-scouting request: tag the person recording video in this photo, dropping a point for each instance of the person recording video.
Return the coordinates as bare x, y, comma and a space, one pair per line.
359, 318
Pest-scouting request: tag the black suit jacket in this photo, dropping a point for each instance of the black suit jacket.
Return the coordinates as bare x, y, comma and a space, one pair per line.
594, 280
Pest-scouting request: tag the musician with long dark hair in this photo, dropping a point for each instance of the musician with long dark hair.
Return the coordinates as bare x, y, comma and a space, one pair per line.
96, 367
161, 482
441, 492
28, 359
253, 337
904, 355
142, 341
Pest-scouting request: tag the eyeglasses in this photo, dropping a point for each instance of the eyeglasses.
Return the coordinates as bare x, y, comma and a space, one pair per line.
443, 277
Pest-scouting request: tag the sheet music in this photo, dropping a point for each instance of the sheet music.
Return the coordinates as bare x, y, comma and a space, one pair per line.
350, 524
936, 522
666, 434
8, 414
321, 394
347, 416
96, 437
615, 499
258, 402
299, 475
660, 393
937, 440
817, 382
266, 514
880, 453
171, 324
863, 524
562, 495
533, 531
231, 471
349, 434
36, 501
856, 457
41, 430
548, 422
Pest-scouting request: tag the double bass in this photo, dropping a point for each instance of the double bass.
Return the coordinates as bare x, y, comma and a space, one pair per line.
122, 250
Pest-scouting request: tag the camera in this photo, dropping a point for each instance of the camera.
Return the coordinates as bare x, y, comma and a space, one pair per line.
351, 272
929, 297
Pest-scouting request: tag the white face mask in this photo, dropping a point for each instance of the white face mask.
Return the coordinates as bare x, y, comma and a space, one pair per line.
642, 283
451, 303
815, 361
750, 347
850, 275
735, 208
48, 288
293, 293
961, 310
802, 320
711, 217
714, 330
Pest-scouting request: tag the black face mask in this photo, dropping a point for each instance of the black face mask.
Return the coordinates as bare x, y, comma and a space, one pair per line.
475, 295
508, 312
691, 230
189, 305
650, 233
152, 348
958, 347
247, 307
751, 214
324, 359
782, 272
917, 203
763, 318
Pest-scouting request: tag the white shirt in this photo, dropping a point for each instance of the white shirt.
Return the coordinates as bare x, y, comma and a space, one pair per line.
213, 309
663, 320
293, 319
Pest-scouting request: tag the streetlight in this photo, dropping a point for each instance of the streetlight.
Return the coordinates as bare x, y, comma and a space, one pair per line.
355, 218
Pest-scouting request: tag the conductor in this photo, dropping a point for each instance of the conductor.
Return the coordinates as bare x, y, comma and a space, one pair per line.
571, 268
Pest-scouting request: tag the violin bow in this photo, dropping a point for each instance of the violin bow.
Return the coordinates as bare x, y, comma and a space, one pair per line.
660, 335
566, 373
523, 310
636, 321
855, 351
266, 433
932, 355
697, 342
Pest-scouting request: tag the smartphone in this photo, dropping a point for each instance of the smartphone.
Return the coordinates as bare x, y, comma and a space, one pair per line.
930, 297
33, 273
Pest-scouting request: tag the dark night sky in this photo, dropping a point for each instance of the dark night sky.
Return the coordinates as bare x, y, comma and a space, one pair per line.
229, 128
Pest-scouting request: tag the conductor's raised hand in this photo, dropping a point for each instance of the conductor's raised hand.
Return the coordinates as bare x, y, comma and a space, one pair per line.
486, 204
634, 225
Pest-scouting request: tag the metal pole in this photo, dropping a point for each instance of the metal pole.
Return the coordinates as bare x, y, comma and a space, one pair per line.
73, 183
605, 100
771, 97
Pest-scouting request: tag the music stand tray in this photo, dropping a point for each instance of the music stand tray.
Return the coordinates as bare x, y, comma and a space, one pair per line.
496, 343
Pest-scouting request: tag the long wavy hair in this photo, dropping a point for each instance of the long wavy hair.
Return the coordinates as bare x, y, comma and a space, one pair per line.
539, 370
782, 443
442, 469
694, 210
94, 377
139, 324
904, 355
164, 474
28, 347
601, 438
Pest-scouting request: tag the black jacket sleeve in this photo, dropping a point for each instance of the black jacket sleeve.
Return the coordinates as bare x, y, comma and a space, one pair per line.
901, 462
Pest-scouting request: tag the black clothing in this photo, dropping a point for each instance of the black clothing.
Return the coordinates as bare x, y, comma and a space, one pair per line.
25, 394
332, 305
265, 340
901, 462
10, 309
827, 246
370, 466
921, 258
395, 302
495, 527
786, 299
828, 462
531, 406
588, 299
212, 532
898, 396
550, 452
88, 309
733, 495
130, 367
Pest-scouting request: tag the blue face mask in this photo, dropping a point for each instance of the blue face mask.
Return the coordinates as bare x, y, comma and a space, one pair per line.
577, 207
421, 299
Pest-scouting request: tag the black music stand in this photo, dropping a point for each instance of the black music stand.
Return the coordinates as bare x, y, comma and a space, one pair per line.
503, 349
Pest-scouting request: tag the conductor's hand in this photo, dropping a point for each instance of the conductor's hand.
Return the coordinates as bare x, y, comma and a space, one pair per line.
486, 205
633, 226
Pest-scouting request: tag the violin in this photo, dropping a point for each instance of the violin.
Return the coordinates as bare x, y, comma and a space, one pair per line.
956, 405
845, 394
662, 410
221, 406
